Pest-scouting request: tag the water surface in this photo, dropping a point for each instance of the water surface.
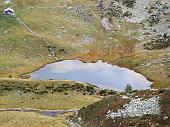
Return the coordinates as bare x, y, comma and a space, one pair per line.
100, 74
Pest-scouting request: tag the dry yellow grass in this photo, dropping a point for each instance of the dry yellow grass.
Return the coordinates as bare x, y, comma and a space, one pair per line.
57, 101
30, 119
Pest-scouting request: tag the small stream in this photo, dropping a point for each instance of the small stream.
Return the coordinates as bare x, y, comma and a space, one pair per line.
101, 74
52, 113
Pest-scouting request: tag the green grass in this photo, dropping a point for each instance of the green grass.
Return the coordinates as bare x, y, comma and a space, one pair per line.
48, 23
27, 119
57, 95
22, 52
7, 22
58, 101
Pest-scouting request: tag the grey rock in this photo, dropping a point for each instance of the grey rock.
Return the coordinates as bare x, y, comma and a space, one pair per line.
138, 107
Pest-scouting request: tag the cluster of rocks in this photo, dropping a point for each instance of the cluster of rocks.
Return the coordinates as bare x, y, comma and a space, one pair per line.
83, 13
152, 14
159, 62
158, 17
137, 108
114, 9
157, 43
130, 10
81, 10
128, 3
101, 8
157, 25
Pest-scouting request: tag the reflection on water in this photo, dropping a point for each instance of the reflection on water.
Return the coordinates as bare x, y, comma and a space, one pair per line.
101, 74
7, 1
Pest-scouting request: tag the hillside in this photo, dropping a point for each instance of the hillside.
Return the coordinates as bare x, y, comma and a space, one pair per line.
46, 31
138, 109
134, 34
25, 103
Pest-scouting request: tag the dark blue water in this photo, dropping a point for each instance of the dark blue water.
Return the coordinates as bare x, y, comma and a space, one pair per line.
100, 74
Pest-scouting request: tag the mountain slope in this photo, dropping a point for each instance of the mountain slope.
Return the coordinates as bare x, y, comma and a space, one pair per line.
44, 31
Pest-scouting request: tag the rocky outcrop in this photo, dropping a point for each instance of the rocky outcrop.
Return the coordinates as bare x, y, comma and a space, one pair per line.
101, 8
157, 43
138, 107
154, 15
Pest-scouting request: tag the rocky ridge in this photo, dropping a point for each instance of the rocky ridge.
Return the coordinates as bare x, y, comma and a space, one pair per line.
154, 16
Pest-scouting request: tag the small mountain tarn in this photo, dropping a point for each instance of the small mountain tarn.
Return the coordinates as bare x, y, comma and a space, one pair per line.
101, 74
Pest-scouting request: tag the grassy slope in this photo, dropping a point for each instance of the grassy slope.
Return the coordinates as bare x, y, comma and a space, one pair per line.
95, 115
23, 52
19, 49
26, 48
56, 95
48, 22
27, 119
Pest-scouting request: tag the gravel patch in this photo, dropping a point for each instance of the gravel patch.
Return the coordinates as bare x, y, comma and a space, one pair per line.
138, 107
